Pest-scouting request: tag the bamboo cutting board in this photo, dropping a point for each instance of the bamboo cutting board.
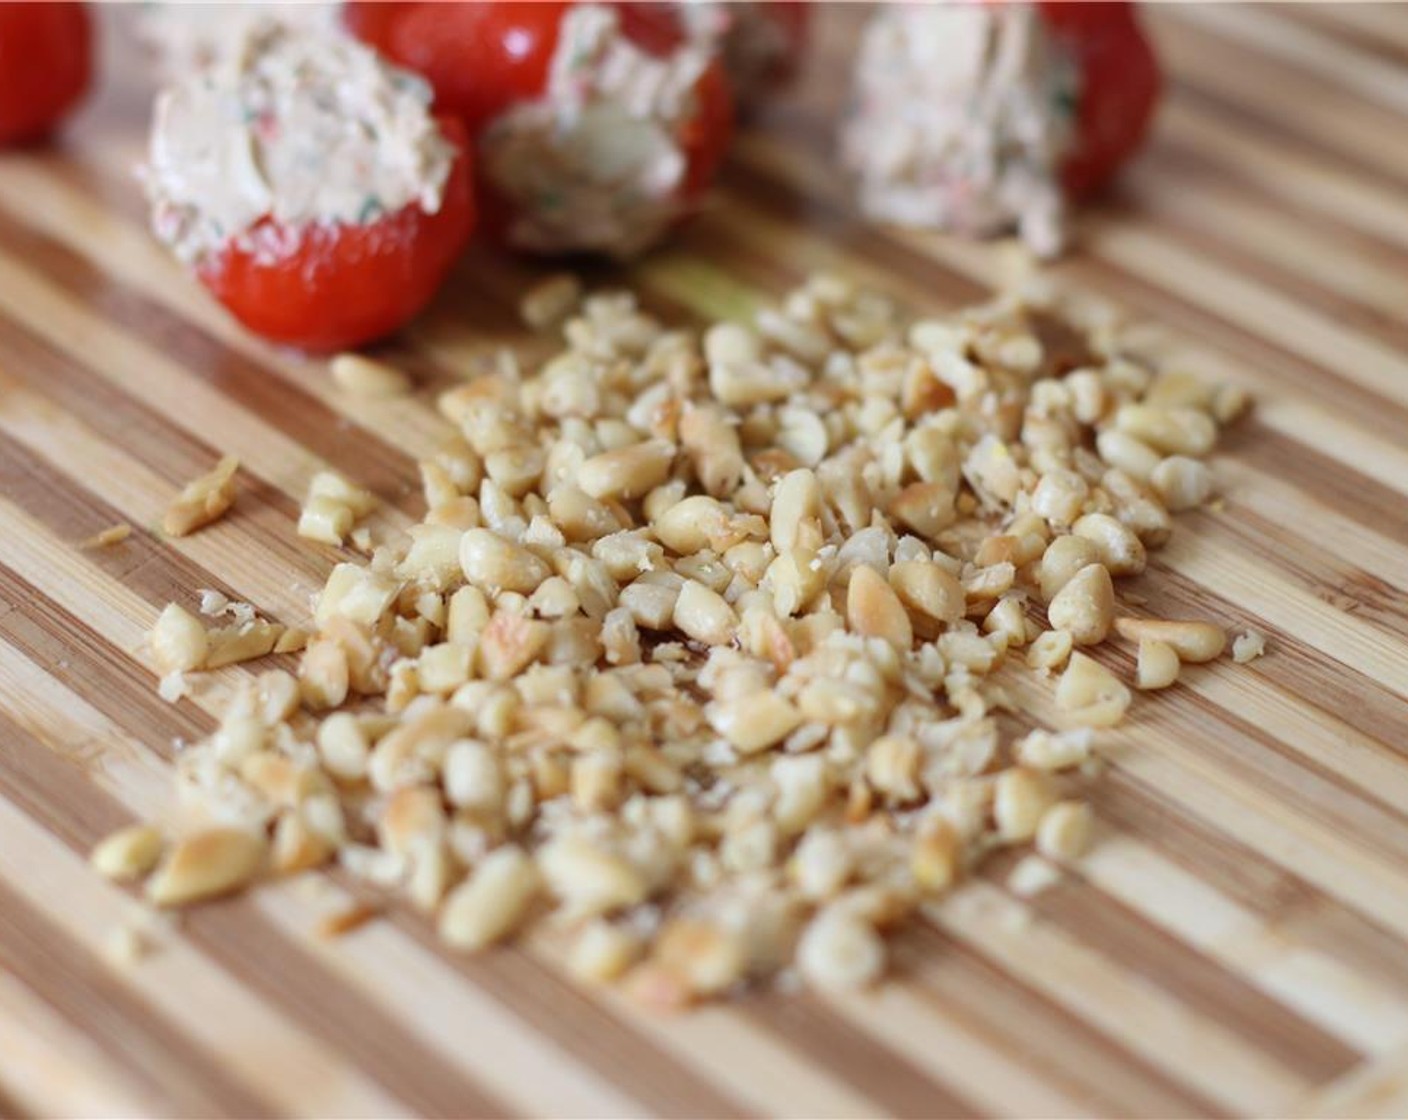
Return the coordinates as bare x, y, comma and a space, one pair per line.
1237, 940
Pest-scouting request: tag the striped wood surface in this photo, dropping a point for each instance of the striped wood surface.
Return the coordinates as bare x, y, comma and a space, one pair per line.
1238, 941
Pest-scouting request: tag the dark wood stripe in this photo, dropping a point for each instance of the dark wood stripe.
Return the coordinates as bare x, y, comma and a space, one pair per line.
82, 991
58, 795
1284, 133
1281, 899
142, 562
567, 1013
1322, 18
1209, 242
1031, 1027
298, 415
1324, 479
1209, 989
1319, 680
1184, 166
80, 988
832, 1043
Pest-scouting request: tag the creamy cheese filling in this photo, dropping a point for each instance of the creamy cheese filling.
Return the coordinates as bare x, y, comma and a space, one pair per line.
189, 35
962, 115
595, 164
294, 127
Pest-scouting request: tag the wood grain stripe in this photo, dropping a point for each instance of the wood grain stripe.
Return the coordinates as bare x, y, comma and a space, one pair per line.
246, 947
294, 1072
52, 1069
79, 988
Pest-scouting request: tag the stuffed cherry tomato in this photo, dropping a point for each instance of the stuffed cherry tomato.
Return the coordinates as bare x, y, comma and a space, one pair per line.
599, 126
310, 187
984, 117
46, 65
759, 41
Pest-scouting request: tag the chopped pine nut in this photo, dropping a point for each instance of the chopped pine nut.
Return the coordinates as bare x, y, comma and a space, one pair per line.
1248, 647
705, 649
106, 538
367, 377
203, 500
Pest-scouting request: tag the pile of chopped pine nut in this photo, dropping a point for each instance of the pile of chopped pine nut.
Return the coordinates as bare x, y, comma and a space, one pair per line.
700, 657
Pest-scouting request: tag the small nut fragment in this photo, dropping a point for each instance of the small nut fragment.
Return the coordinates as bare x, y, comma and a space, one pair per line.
367, 377
550, 300
1059, 750
755, 723
928, 590
627, 473
203, 500
934, 860
1091, 694
1063, 558
1085, 607
838, 951
127, 854
179, 642
704, 615
588, 880
1020, 798
489, 905
874, 609
709, 959
1064, 832
496, 564
1248, 647
1174, 431
105, 538
206, 865
1194, 642
1158, 664
1050, 650
1182, 483
1118, 548
603, 951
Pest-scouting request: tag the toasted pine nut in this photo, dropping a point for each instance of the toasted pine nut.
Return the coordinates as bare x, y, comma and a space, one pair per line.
205, 865
367, 377
488, 906
127, 854
1194, 642
1020, 798
1119, 549
495, 564
1064, 832
630, 472
178, 640
1158, 664
1090, 693
1085, 607
755, 723
874, 610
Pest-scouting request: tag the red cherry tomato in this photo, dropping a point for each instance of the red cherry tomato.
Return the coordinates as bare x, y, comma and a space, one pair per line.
1120, 86
344, 285
46, 64
482, 58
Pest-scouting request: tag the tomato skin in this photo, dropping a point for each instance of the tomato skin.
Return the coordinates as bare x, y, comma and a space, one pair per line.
345, 285
46, 66
481, 58
1120, 86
